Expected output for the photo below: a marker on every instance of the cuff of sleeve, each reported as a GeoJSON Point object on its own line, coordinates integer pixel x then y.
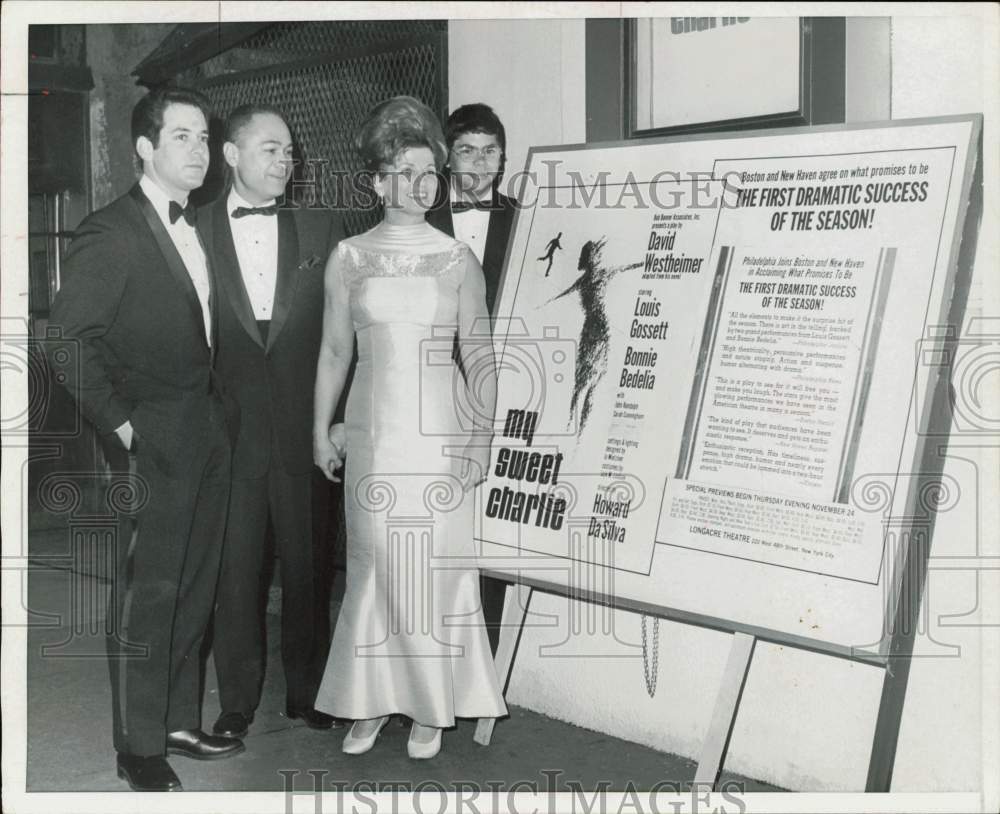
{"type": "Point", "coordinates": [117, 413]}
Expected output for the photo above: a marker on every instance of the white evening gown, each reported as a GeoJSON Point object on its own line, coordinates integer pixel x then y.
{"type": "Point", "coordinates": [410, 637]}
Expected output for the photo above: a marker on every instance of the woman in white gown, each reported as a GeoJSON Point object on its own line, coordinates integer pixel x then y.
{"type": "Point", "coordinates": [410, 636]}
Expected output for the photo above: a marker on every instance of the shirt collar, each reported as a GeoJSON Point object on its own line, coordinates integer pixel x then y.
{"type": "Point", "coordinates": [235, 199]}
{"type": "Point", "coordinates": [158, 197]}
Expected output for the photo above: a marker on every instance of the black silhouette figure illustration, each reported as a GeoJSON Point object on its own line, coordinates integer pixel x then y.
{"type": "Point", "coordinates": [592, 350]}
{"type": "Point", "coordinates": [550, 250]}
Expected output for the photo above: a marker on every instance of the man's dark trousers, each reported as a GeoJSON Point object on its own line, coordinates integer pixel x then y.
{"type": "Point", "coordinates": [239, 643]}
{"type": "Point", "coordinates": [168, 558]}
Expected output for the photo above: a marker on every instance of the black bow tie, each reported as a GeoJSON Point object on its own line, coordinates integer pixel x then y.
{"type": "Point", "coordinates": [243, 211]}
{"type": "Point", "coordinates": [176, 210]}
{"type": "Point", "coordinates": [467, 206]}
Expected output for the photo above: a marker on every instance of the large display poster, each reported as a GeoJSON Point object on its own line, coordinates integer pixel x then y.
{"type": "Point", "coordinates": [705, 345]}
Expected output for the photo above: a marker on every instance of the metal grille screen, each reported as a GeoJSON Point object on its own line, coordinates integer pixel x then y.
{"type": "Point", "coordinates": [326, 100]}
{"type": "Point", "coordinates": [333, 36]}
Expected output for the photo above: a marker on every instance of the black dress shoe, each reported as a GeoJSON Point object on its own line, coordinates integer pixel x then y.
{"type": "Point", "coordinates": [313, 718]}
{"type": "Point", "coordinates": [194, 743]}
{"type": "Point", "coordinates": [147, 773]}
{"type": "Point", "coordinates": [232, 724]}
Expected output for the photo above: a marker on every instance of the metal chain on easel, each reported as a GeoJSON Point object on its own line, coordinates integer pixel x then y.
{"type": "Point", "coordinates": [650, 674]}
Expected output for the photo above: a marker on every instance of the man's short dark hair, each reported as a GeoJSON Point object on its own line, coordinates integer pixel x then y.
{"type": "Point", "coordinates": [474, 118]}
{"type": "Point", "coordinates": [243, 115]}
{"type": "Point", "coordinates": [147, 115]}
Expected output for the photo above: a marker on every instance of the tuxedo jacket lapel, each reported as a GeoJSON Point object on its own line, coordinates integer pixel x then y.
{"type": "Point", "coordinates": [172, 257]}
{"type": "Point", "coordinates": [288, 258]}
{"type": "Point", "coordinates": [213, 291]}
{"type": "Point", "coordinates": [496, 239]}
{"type": "Point", "coordinates": [497, 234]}
{"type": "Point", "coordinates": [229, 271]}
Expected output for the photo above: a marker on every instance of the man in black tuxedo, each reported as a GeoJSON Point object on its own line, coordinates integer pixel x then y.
{"type": "Point", "coordinates": [139, 304]}
{"type": "Point", "coordinates": [270, 261]}
{"type": "Point", "coordinates": [471, 208]}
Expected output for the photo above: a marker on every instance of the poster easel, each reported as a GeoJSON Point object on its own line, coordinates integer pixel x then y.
{"type": "Point", "coordinates": [912, 527]}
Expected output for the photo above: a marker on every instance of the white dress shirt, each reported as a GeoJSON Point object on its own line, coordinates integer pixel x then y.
{"type": "Point", "coordinates": [256, 240]}
{"type": "Point", "coordinates": [188, 246]}
{"type": "Point", "coordinates": [471, 227]}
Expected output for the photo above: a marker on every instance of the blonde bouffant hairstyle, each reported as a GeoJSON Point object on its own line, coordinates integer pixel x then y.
{"type": "Point", "coordinates": [398, 124]}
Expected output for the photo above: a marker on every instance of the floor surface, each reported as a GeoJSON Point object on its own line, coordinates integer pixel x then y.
{"type": "Point", "coordinates": [69, 720]}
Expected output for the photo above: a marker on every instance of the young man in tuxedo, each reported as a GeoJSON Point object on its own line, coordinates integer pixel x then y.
{"type": "Point", "coordinates": [270, 261]}
{"type": "Point", "coordinates": [471, 208]}
{"type": "Point", "coordinates": [138, 303]}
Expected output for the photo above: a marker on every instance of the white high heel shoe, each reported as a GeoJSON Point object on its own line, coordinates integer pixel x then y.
{"type": "Point", "coordinates": [355, 745]}
{"type": "Point", "coordinates": [423, 750]}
